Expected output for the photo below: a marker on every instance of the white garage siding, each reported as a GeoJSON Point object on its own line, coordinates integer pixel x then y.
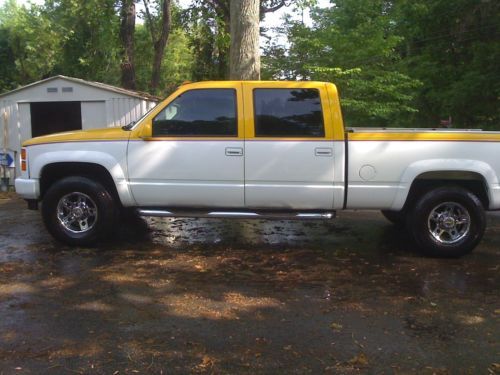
{"type": "Point", "coordinates": [101, 106]}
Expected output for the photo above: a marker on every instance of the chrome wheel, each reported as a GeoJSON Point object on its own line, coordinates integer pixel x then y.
{"type": "Point", "coordinates": [449, 222]}
{"type": "Point", "coordinates": [77, 212]}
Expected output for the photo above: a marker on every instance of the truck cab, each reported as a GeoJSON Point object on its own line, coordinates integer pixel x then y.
{"type": "Point", "coordinates": [240, 145]}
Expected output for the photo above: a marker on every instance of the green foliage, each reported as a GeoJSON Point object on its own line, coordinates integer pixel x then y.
{"type": "Point", "coordinates": [371, 97]}
{"type": "Point", "coordinates": [8, 73]}
{"type": "Point", "coordinates": [455, 52]}
{"type": "Point", "coordinates": [88, 33]}
{"type": "Point", "coordinates": [30, 43]}
{"type": "Point", "coordinates": [405, 63]}
{"type": "Point", "coordinates": [177, 62]}
{"type": "Point", "coordinates": [352, 44]}
{"type": "Point", "coordinates": [396, 63]}
{"type": "Point", "coordinates": [68, 37]}
{"type": "Point", "coordinates": [80, 39]}
{"type": "Point", "coordinates": [207, 23]}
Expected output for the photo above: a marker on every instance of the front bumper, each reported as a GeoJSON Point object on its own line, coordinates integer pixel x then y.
{"type": "Point", "coordinates": [28, 188]}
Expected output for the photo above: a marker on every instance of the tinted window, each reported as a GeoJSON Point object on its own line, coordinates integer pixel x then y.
{"type": "Point", "coordinates": [288, 113]}
{"type": "Point", "coordinates": [210, 112]}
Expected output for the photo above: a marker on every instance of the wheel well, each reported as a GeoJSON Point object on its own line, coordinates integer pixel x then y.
{"type": "Point", "coordinates": [474, 182]}
{"type": "Point", "coordinates": [54, 172]}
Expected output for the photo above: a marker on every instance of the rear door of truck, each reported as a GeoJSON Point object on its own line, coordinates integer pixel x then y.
{"type": "Point", "coordinates": [289, 146]}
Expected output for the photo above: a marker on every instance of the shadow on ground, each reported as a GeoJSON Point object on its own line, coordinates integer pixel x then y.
{"type": "Point", "coordinates": [221, 296]}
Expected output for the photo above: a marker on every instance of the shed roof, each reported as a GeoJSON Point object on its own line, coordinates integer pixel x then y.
{"type": "Point", "coordinates": [103, 86]}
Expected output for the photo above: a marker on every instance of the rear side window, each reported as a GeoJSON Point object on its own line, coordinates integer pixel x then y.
{"type": "Point", "coordinates": [195, 113]}
{"type": "Point", "coordinates": [288, 113]}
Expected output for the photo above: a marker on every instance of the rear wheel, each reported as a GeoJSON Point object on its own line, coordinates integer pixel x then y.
{"type": "Point", "coordinates": [447, 222]}
{"type": "Point", "coordinates": [78, 211]}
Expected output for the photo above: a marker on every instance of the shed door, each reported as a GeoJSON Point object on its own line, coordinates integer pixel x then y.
{"type": "Point", "coordinates": [94, 115]}
{"type": "Point", "coordinates": [55, 117]}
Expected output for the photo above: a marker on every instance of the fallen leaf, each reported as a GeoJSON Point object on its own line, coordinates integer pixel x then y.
{"type": "Point", "coordinates": [359, 361]}
{"type": "Point", "coordinates": [206, 362]}
{"type": "Point", "coordinates": [336, 326]}
{"type": "Point", "coordinates": [494, 368]}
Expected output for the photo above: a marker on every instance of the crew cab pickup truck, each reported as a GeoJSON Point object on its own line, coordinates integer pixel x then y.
{"type": "Point", "coordinates": [263, 150]}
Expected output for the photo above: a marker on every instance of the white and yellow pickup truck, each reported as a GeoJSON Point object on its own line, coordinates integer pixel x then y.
{"type": "Point", "coordinates": [263, 150]}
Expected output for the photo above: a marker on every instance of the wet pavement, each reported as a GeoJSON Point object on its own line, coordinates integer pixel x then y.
{"type": "Point", "coordinates": [239, 296]}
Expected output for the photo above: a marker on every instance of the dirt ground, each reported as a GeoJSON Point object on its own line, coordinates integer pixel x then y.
{"type": "Point", "coordinates": [218, 296]}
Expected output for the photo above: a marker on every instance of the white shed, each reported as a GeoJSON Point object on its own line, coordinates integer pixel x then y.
{"type": "Point", "coordinates": [59, 104]}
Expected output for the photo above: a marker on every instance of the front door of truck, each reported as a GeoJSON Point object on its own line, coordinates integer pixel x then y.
{"type": "Point", "coordinates": [194, 156]}
{"type": "Point", "coordinates": [289, 146]}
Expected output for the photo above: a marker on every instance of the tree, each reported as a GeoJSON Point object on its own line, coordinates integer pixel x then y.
{"type": "Point", "coordinates": [454, 51]}
{"type": "Point", "coordinates": [177, 63]}
{"type": "Point", "coordinates": [354, 45]}
{"type": "Point", "coordinates": [159, 28]}
{"type": "Point", "coordinates": [207, 24]}
{"type": "Point", "coordinates": [211, 51]}
{"type": "Point", "coordinates": [8, 71]}
{"type": "Point", "coordinates": [30, 42]}
{"type": "Point", "coordinates": [244, 61]}
{"type": "Point", "coordinates": [127, 30]}
{"type": "Point", "coordinates": [88, 34]}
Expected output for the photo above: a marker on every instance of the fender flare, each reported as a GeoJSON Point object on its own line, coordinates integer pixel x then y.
{"type": "Point", "coordinates": [91, 157]}
{"type": "Point", "coordinates": [416, 169]}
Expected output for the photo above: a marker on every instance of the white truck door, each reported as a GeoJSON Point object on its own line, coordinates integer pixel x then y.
{"type": "Point", "coordinates": [194, 157]}
{"type": "Point", "coordinates": [289, 147]}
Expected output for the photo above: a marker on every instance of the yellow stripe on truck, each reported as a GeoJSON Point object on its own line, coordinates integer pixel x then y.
{"type": "Point", "coordinates": [425, 136]}
{"type": "Point", "coordinates": [109, 134]}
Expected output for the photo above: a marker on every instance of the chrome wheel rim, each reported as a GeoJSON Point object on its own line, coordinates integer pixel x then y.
{"type": "Point", "coordinates": [77, 212]}
{"type": "Point", "coordinates": [448, 223]}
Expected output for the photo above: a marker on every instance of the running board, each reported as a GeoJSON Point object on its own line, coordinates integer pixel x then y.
{"type": "Point", "coordinates": [280, 215]}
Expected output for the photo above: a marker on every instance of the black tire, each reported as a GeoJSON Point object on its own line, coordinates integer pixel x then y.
{"type": "Point", "coordinates": [396, 217]}
{"type": "Point", "coordinates": [78, 211]}
{"type": "Point", "coordinates": [447, 222]}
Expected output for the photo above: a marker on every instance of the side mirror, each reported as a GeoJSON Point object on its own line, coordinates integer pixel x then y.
{"type": "Point", "coordinates": [146, 132]}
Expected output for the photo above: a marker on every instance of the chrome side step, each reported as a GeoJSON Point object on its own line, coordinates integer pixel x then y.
{"type": "Point", "coordinates": [279, 215]}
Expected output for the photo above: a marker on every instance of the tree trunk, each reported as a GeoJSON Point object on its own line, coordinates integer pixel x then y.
{"type": "Point", "coordinates": [159, 40]}
{"type": "Point", "coordinates": [127, 29]}
{"type": "Point", "coordinates": [244, 59]}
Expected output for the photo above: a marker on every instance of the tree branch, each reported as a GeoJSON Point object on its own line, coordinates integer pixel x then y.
{"type": "Point", "coordinates": [274, 8]}
{"type": "Point", "coordinates": [150, 21]}
{"type": "Point", "coordinates": [166, 20]}
{"type": "Point", "coordinates": [224, 5]}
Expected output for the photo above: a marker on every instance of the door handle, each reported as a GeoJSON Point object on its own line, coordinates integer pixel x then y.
{"type": "Point", "coordinates": [323, 151]}
{"type": "Point", "coordinates": [234, 151]}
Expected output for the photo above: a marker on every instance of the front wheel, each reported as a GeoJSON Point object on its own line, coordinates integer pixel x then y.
{"type": "Point", "coordinates": [447, 222]}
{"type": "Point", "coordinates": [78, 211]}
